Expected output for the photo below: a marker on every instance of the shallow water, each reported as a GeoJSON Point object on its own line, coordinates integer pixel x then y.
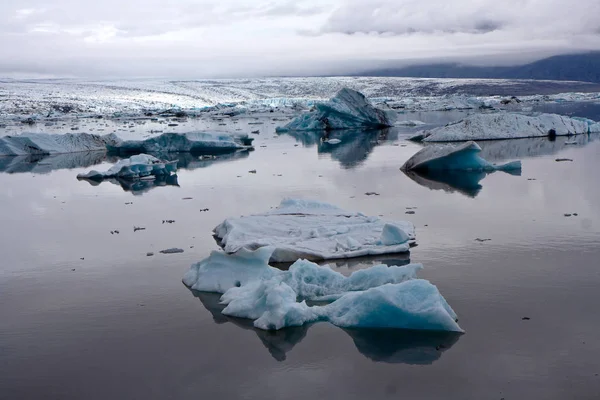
{"type": "Point", "coordinates": [87, 314]}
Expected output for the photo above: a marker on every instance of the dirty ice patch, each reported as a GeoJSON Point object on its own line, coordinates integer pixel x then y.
{"type": "Point", "coordinates": [191, 142]}
{"type": "Point", "coordinates": [315, 231]}
{"type": "Point", "coordinates": [463, 157]}
{"type": "Point", "coordinates": [347, 110]}
{"type": "Point", "coordinates": [48, 144]}
{"type": "Point", "coordinates": [134, 167]}
{"type": "Point", "coordinates": [506, 125]}
{"type": "Point", "coordinates": [378, 297]}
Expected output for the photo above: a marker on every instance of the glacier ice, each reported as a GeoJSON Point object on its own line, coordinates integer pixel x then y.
{"type": "Point", "coordinates": [48, 144]}
{"type": "Point", "coordinates": [190, 142]}
{"type": "Point", "coordinates": [378, 297]}
{"type": "Point", "coordinates": [348, 109]}
{"type": "Point", "coordinates": [463, 157]}
{"type": "Point", "coordinates": [506, 125]}
{"type": "Point", "coordinates": [316, 231]}
{"type": "Point", "coordinates": [134, 167]}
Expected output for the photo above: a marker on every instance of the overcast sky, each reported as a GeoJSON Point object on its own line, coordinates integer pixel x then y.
{"type": "Point", "coordinates": [206, 38]}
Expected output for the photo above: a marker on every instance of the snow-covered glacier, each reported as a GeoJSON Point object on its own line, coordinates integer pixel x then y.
{"type": "Point", "coordinates": [378, 297]}
{"type": "Point", "coordinates": [507, 125]}
{"type": "Point", "coordinates": [48, 144]}
{"type": "Point", "coordinates": [316, 231]}
{"type": "Point", "coordinates": [190, 142]}
{"type": "Point", "coordinates": [347, 110]}
{"type": "Point", "coordinates": [134, 167]}
{"type": "Point", "coordinates": [463, 157]}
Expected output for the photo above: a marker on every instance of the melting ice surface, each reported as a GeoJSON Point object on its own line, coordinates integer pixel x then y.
{"type": "Point", "coordinates": [135, 167]}
{"type": "Point", "coordinates": [191, 142]}
{"type": "Point", "coordinates": [464, 157]}
{"type": "Point", "coordinates": [505, 125]}
{"type": "Point", "coordinates": [347, 110]}
{"type": "Point", "coordinates": [315, 230]}
{"type": "Point", "coordinates": [46, 144]}
{"type": "Point", "coordinates": [378, 297]}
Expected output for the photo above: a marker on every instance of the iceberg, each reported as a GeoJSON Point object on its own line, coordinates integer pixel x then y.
{"type": "Point", "coordinates": [135, 167]}
{"type": "Point", "coordinates": [316, 231]}
{"type": "Point", "coordinates": [506, 125]}
{"type": "Point", "coordinates": [348, 109]}
{"type": "Point", "coordinates": [191, 142]}
{"type": "Point", "coordinates": [463, 157]}
{"type": "Point", "coordinates": [378, 297]}
{"type": "Point", "coordinates": [49, 144]}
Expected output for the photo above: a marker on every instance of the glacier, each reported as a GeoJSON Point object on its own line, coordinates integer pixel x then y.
{"type": "Point", "coordinates": [316, 231]}
{"type": "Point", "coordinates": [136, 167]}
{"type": "Point", "coordinates": [348, 109]}
{"type": "Point", "coordinates": [463, 157]}
{"type": "Point", "coordinates": [50, 144]}
{"type": "Point", "coordinates": [190, 142]}
{"type": "Point", "coordinates": [378, 297]}
{"type": "Point", "coordinates": [507, 125]}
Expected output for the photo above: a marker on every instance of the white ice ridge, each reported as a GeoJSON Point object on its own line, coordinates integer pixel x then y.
{"type": "Point", "coordinates": [348, 109]}
{"type": "Point", "coordinates": [47, 144]}
{"type": "Point", "coordinates": [378, 297]}
{"type": "Point", "coordinates": [192, 142]}
{"type": "Point", "coordinates": [463, 157]}
{"type": "Point", "coordinates": [134, 167]}
{"type": "Point", "coordinates": [505, 125]}
{"type": "Point", "coordinates": [315, 231]}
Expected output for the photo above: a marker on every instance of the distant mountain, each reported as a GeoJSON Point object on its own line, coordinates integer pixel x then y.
{"type": "Point", "coordinates": [574, 67]}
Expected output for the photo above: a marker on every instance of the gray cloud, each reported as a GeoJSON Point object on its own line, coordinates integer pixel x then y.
{"type": "Point", "coordinates": [204, 38]}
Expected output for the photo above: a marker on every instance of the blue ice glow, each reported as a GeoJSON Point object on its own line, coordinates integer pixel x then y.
{"type": "Point", "coordinates": [378, 297]}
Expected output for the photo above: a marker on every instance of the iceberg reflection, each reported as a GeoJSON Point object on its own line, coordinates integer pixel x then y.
{"type": "Point", "coordinates": [393, 346]}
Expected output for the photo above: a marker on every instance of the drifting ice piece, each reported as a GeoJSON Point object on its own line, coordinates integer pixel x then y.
{"type": "Point", "coordinates": [315, 231]}
{"type": "Point", "coordinates": [135, 167]}
{"type": "Point", "coordinates": [46, 144]}
{"type": "Point", "coordinates": [191, 142]}
{"type": "Point", "coordinates": [506, 125]}
{"type": "Point", "coordinates": [464, 157]}
{"type": "Point", "coordinates": [348, 109]}
{"type": "Point", "coordinates": [378, 297]}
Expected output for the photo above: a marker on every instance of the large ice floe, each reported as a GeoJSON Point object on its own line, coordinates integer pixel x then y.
{"type": "Point", "coordinates": [316, 231]}
{"type": "Point", "coordinates": [48, 144]}
{"type": "Point", "coordinates": [190, 142]}
{"type": "Point", "coordinates": [378, 297]}
{"type": "Point", "coordinates": [505, 125]}
{"type": "Point", "coordinates": [347, 110]}
{"type": "Point", "coordinates": [140, 166]}
{"type": "Point", "coordinates": [463, 157]}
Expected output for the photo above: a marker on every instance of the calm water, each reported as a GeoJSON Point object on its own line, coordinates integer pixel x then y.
{"type": "Point", "coordinates": [87, 315]}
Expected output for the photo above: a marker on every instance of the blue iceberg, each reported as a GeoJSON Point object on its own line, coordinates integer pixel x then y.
{"type": "Point", "coordinates": [378, 297]}
{"type": "Point", "coordinates": [136, 167]}
{"type": "Point", "coordinates": [464, 157]}
{"type": "Point", "coordinates": [190, 142]}
{"type": "Point", "coordinates": [348, 109]}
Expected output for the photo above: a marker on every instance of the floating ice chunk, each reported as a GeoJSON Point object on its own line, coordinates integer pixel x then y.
{"type": "Point", "coordinates": [228, 273]}
{"type": "Point", "coordinates": [312, 230]}
{"type": "Point", "coordinates": [413, 304]}
{"type": "Point", "coordinates": [464, 157]}
{"type": "Point", "coordinates": [505, 125]}
{"type": "Point", "coordinates": [333, 141]}
{"type": "Point", "coordinates": [136, 167]}
{"type": "Point", "coordinates": [46, 144]}
{"type": "Point", "coordinates": [409, 123]}
{"type": "Point", "coordinates": [221, 272]}
{"type": "Point", "coordinates": [313, 282]}
{"type": "Point", "coordinates": [348, 109]}
{"type": "Point", "coordinates": [191, 142]}
{"type": "Point", "coordinates": [378, 297]}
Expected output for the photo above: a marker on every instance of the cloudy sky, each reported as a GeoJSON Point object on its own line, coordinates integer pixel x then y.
{"type": "Point", "coordinates": [217, 38]}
